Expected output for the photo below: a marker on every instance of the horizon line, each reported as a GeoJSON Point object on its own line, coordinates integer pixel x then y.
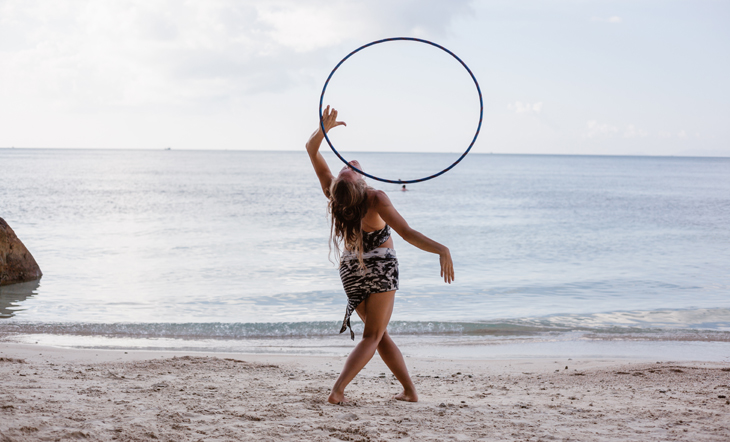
{"type": "Point", "coordinates": [366, 152]}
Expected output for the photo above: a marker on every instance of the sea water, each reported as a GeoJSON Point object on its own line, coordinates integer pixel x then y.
{"type": "Point", "coordinates": [228, 250]}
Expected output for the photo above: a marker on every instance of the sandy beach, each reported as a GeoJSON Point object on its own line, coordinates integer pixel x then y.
{"type": "Point", "coordinates": [64, 394]}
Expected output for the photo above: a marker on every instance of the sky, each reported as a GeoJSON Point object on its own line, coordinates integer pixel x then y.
{"type": "Point", "coordinates": [557, 76]}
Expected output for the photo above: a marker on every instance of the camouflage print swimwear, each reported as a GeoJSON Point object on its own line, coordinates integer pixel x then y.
{"type": "Point", "coordinates": [380, 274]}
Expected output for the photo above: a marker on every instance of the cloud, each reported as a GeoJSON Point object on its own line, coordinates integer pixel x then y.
{"type": "Point", "coordinates": [615, 19]}
{"type": "Point", "coordinates": [594, 129]}
{"type": "Point", "coordinates": [632, 132]}
{"type": "Point", "coordinates": [137, 53]}
{"type": "Point", "coordinates": [682, 134]}
{"type": "Point", "coordinates": [519, 107]}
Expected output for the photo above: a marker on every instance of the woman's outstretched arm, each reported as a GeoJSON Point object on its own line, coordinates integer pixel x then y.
{"type": "Point", "coordinates": [398, 223]}
{"type": "Point", "coordinates": [315, 141]}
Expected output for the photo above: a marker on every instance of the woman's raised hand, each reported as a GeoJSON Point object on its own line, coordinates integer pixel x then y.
{"type": "Point", "coordinates": [329, 119]}
{"type": "Point", "coordinates": [447, 266]}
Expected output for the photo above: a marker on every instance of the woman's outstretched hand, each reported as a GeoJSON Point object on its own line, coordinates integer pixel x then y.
{"type": "Point", "coordinates": [329, 119]}
{"type": "Point", "coordinates": [394, 219]}
{"type": "Point", "coordinates": [447, 266]}
{"type": "Point", "coordinates": [324, 174]}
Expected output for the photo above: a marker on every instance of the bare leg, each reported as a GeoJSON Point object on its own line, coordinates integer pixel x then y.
{"type": "Point", "coordinates": [393, 358]}
{"type": "Point", "coordinates": [391, 355]}
{"type": "Point", "coordinates": [378, 307]}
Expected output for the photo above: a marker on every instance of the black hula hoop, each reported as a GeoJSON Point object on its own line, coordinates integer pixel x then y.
{"type": "Point", "coordinates": [481, 109]}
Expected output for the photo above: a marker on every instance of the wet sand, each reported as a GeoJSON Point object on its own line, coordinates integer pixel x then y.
{"type": "Point", "coordinates": [49, 393]}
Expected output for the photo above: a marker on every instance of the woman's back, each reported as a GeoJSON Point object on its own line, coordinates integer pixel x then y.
{"type": "Point", "coordinates": [372, 220]}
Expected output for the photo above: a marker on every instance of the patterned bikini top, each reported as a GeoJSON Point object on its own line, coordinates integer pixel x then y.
{"type": "Point", "coordinates": [373, 240]}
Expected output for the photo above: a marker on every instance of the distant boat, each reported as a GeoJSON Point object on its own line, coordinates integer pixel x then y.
{"type": "Point", "coordinates": [168, 148]}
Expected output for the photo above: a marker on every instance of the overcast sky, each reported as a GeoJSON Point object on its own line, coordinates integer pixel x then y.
{"type": "Point", "coordinates": [558, 76]}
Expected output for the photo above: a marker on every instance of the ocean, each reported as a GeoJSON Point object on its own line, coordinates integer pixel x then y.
{"type": "Point", "coordinates": [228, 251]}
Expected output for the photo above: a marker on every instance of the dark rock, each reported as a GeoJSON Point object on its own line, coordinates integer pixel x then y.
{"type": "Point", "coordinates": [16, 262]}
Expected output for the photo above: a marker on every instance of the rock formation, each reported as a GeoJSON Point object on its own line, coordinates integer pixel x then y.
{"type": "Point", "coordinates": [16, 262]}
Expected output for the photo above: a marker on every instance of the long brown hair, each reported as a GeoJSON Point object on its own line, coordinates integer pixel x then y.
{"type": "Point", "coordinates": [347, 206]}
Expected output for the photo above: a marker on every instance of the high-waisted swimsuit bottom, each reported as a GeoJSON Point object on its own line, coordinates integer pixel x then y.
{"type": "Point", "coordinates": [380, 273]}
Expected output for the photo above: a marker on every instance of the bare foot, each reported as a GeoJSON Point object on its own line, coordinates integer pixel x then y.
{"type": "Point", "coordinates": [407, 397]}
{"type": "Point", "coordinates": [338, 399]}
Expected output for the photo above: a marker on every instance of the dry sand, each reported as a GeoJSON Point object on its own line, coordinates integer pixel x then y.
{"type": "Point", "coordinates": [61, 394]}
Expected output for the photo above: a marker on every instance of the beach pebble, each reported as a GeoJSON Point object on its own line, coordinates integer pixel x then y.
{"type": "Point", "coordinates": [442, 405]}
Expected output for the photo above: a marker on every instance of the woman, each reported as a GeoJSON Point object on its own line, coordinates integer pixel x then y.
{"type": "Point", "coordinates": [360, 222]}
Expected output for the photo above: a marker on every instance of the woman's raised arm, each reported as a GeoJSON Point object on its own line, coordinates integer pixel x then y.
{"type": "Point", "coordinates": [398, 223]}
{"type": "Point", "coordinates": [315, 141]}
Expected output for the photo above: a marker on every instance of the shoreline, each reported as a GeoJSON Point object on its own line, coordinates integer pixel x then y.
{"type": "Point", "coordinates": [50, 392]}
{"type": "Point", "coordinates": [451, 347]}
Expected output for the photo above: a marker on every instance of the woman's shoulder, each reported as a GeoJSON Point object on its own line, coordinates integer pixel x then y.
{"type": "Point", "coordinates": [377, 197]}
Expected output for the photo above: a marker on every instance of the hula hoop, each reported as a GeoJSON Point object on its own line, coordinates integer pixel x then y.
{"type": "Point", "coordinates": [479, 126]}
